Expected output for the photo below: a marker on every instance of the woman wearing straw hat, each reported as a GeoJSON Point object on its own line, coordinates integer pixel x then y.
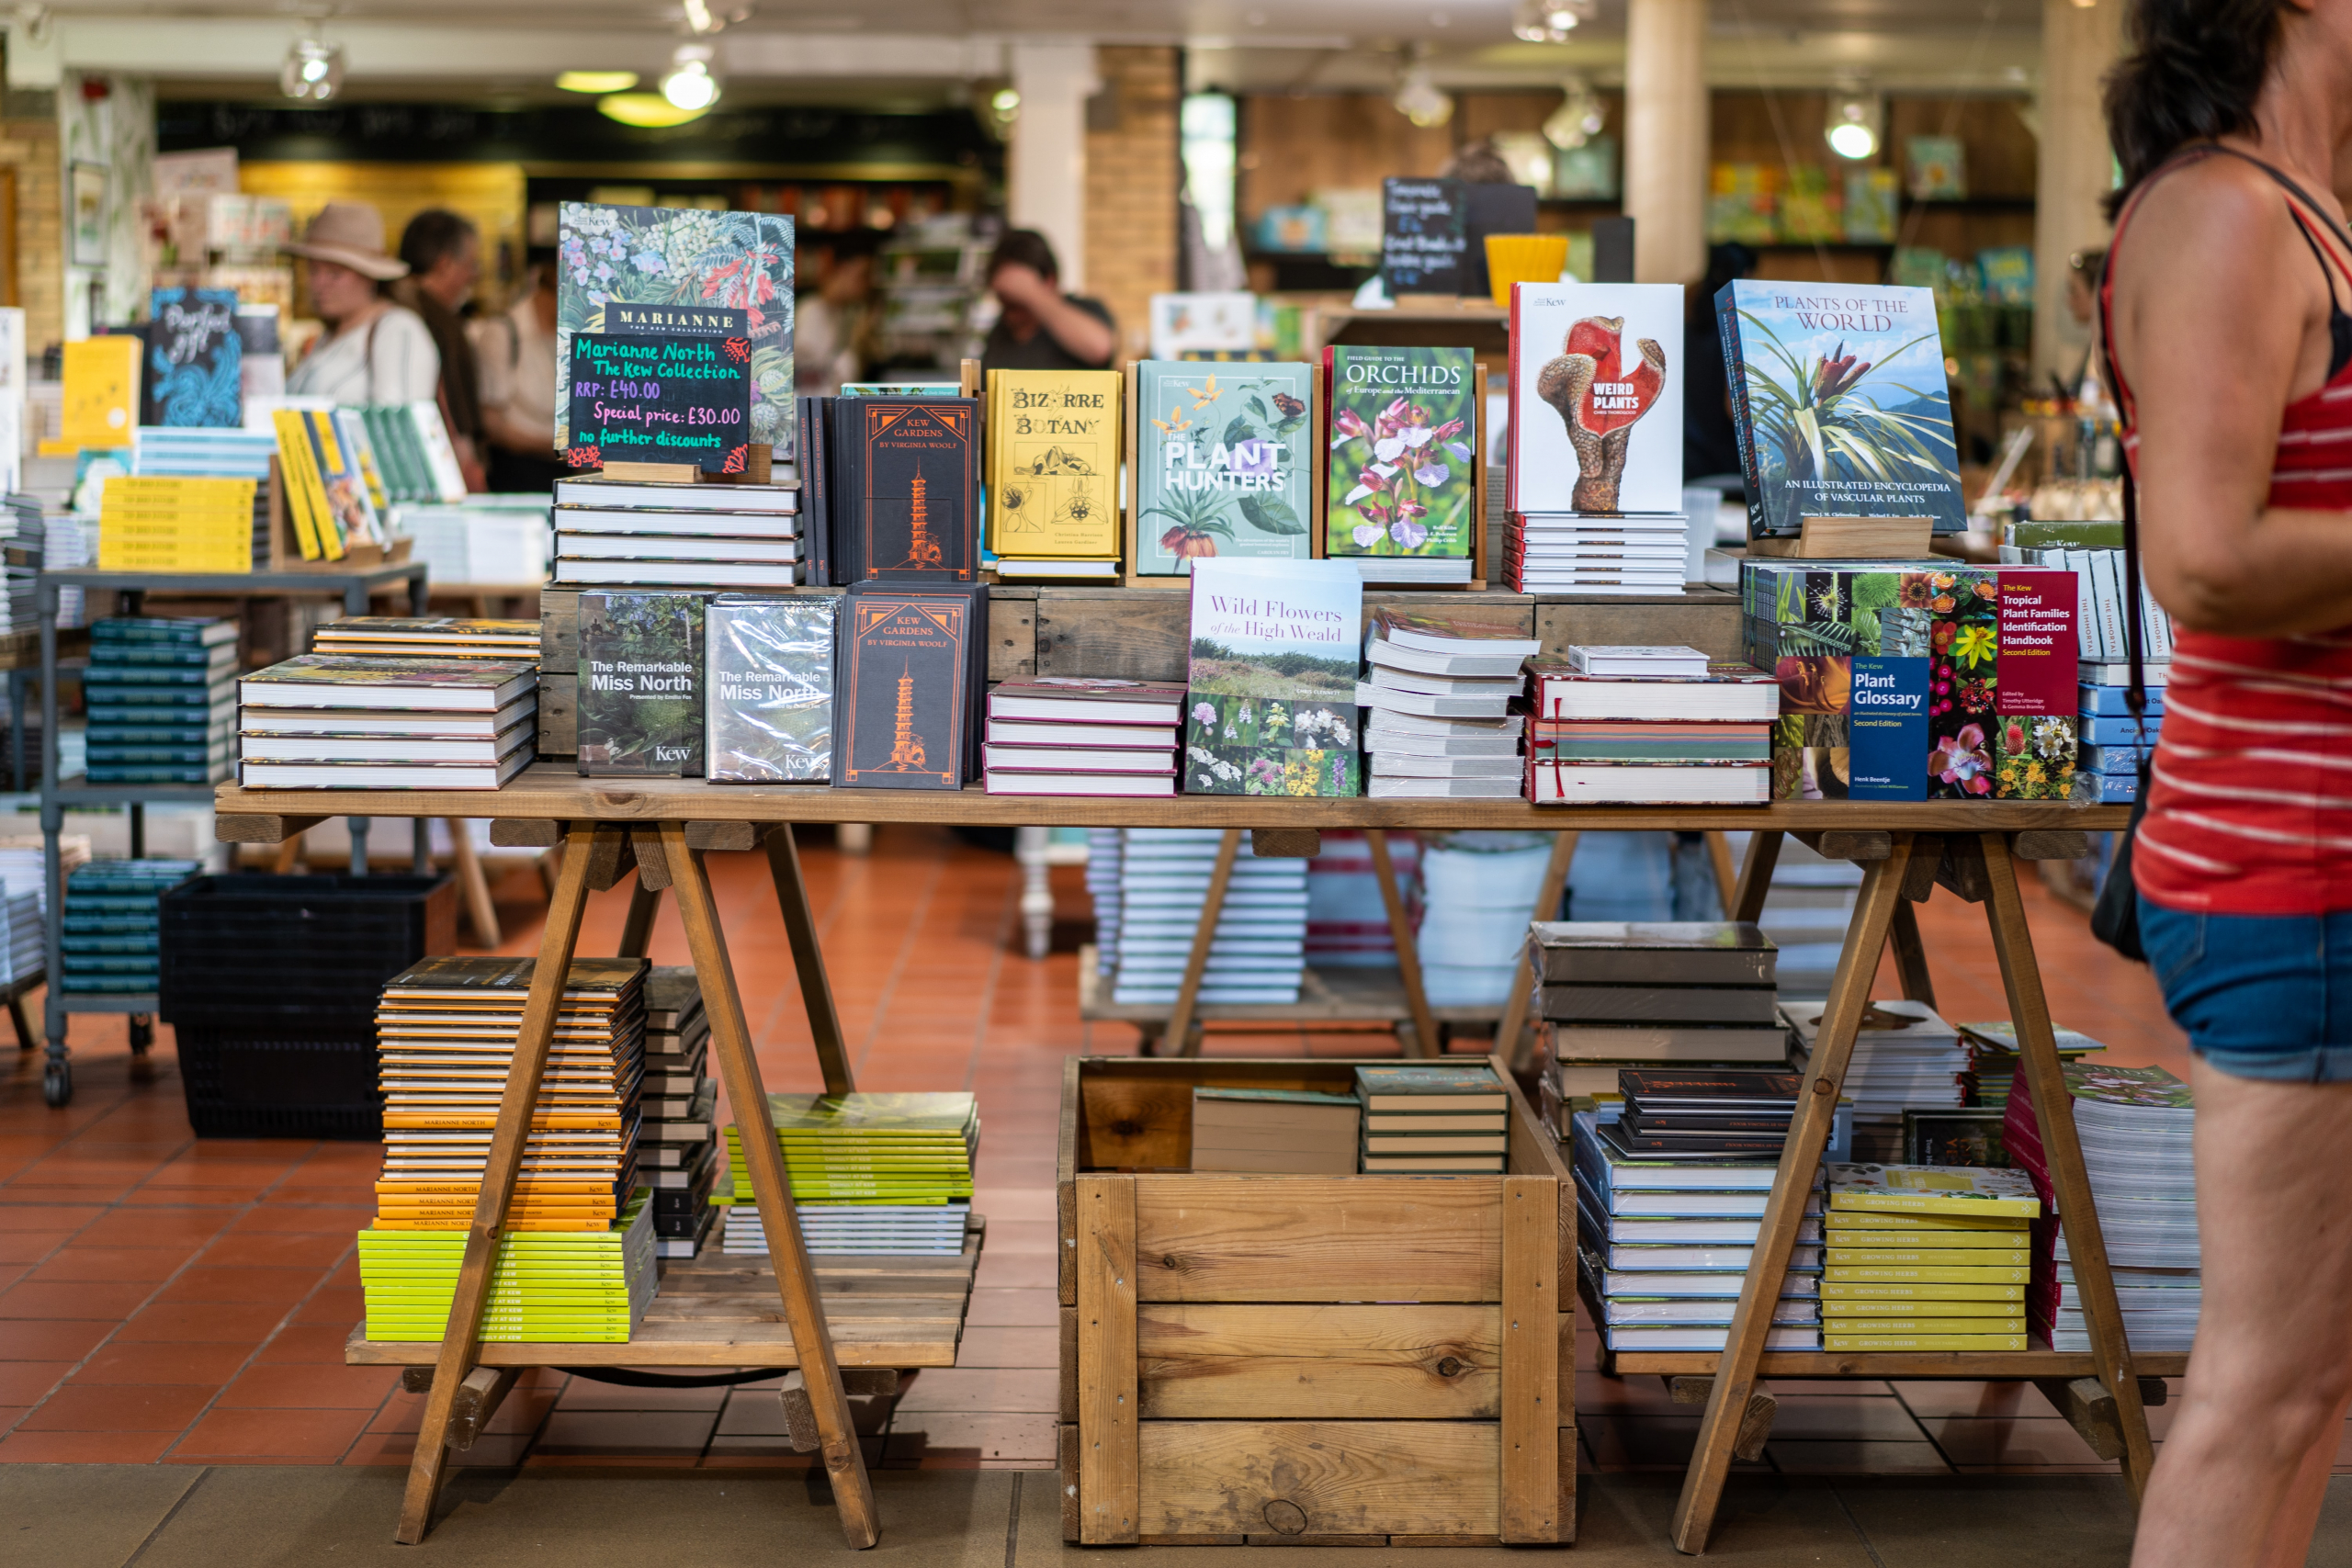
{"type": "Point", "coordinates": [374, 351]}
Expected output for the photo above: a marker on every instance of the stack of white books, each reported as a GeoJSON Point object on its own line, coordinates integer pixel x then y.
{"type": "Point", "coordinates": [1906, 1058]}
{"type": "Point", "coordinates": [677, 535]}
{"type": "Point", "coordinates": [1256, 954]}
{"type": "Point", "coordinates": [1440, 691]}
{"type": "Point", "coordinates": [1574, 553]}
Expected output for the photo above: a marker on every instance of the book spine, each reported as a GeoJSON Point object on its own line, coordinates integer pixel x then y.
{"type": "Point", "coordinates": [2108, 587]}
{"type": "Point", "coordinates": [1743, 420]}
{"type": "Point", "coordinates": [2091, 634]}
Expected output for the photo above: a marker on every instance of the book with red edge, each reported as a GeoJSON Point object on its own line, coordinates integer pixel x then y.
{"type": "Point", "coordinates": [1733, 692]}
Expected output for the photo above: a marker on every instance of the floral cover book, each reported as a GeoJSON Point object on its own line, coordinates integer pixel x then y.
{"type": "Point", "coordinates": [662, 255]}
{"type": "Point", "coordinates": [1402, 451]}
{"type": "Point", "coordinates": [1839, 403]}
{"type": "Point", "coordinates": [1224, 463]}
{"type": "Point", "coordinates": [1860, 652]}
{"type": "Point", "coordinates": [1270, 700]}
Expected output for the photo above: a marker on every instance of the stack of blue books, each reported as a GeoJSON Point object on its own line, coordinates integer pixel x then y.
{"type": "Point", "coordinates": [2107, 767]}
{"type": "Point", "coordinates": [111, 922]}
{"type": "Point", "coordinates": [163, 699]}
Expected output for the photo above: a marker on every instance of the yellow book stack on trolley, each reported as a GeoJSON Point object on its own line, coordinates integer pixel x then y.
{"type": "Point", "coordinates": [154, 523]}
{"type": "Point", "coordinates": [1926, 1258]}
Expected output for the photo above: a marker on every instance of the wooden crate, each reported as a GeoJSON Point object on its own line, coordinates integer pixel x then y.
{"type": "Point", "coordinates": [1302, 1360]}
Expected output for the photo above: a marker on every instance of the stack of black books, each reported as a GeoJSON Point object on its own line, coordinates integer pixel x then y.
{"type": "Point", "coordinates": [1707, 1110]}
{"type": "Point", "coordinates": [1623, 994]}
{"type": "Point", "coordinates": [677, 1155]}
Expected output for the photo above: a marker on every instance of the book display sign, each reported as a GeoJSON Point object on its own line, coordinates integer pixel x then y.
{"type": "Point", "coordinates": [1424, 235]}
{"type": "Point", "coordinates": [661, 397]}
{"type": "Point", "coordinates": [195, 359]}
{"type": "Point", "coordinates": [651, 271]}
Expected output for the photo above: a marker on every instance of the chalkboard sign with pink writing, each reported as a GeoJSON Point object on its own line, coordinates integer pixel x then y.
{"type": "Point", "coordinates": [669, 399]}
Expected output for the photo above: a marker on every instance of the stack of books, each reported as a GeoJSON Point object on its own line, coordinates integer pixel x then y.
{"type": "Point", "coordinates": [156, 524]}
{"type": "Point", "coordinates": [871, 1173]}
{"type": "Point", "coordinates": [110, 921]}
{"type": "Point", "coordinates": [1258, 953]}
{"type": "Point", "coordinates": [446, 1031]}
{"type": "Point", "coordinates": [1477, 891]}
{"type": "Point", "coordinates": [2106, 765]}
{"type": "Point", "coordinates": [1068, 736]}
{"type": "Point", "coordinates": [1926, 1258]}
{"type": "Point", "coordinates": [1627, 553]}
{"type": "Point", "coordinates": [215, 453]}
{"type": "Point", "coordinates": [678, 1151]}
{"type": "Point", "coordinates": [333, 721]}
{"type": "Point", "coordinates": [1440, 691]}
{"type": "Point", "coordinates": [1690, 1117]}
{"type": "Point", "coordinates": [161, 695]}
{"type": "Point", "coordinates": [1638, 725]}
{"type": "Point", "coordinates": [21, 549]}
{"type": "Point", "coordinates": [1347, 918]}
{"type": "Point", "coordinates": [2136, 1125]}
{"type": "Point", "coordinates": [1424, 1120]}
{"type": "Point", "coordinates": [428, 637]}
{"type": "Point", "coordinates": [1992, 1058]}
{"type": "Point", "coordinates": [1906, 1058]}
{"type": "Point", "coordinates": [1105, 853]}
{"type": "Point", "coordinates": [333, 484]}
{"type": "Point", "coordinates": [1279, 1131]}
{"type": "Point", "coordinates": [677, 535]}
{"type": "Point", "coordinates": [1620, 994]}
{"type": "Point", "coordinates": [570, 1287]}
{"type": "Point", "coordinates": [1665, 1238]}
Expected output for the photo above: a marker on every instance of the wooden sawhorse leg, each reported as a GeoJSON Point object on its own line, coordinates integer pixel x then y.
{"type": "Point", "coordinates": [1849, 993]}
{"type": "Point", "coordinates": [636, 929]}
{"type": "Point", "coordinates": [1188, 992]}
{"type": "Point", "coordinates": [1425, 1041]}
{"type": "Point", "coordinates": [473, 884]}
{"type": "Point", "coordinates": [1513, 1043]}
{"type": "Point", "coordinates": [808, 961]}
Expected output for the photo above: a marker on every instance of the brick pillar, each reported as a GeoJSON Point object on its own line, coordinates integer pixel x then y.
{"type": "Point", "coordinates": [1132, 180]}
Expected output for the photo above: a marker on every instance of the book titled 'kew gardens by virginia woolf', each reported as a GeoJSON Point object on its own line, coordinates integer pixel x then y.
{"type": "Point", "coordinates": [1838, 401]}
{"type": "Point", "coordinates": [1269, 699]}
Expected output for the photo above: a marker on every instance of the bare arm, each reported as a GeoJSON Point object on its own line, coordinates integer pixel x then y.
{"type": "Point", "coordinates": [2221, 320]}
{"type": "Point", "coordinates": [1083, 336]}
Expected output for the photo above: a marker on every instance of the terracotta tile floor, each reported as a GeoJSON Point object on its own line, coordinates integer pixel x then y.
{"type": "Point", "coordinates": [168, 1300]}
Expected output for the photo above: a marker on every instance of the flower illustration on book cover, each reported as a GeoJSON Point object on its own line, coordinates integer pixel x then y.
{"type": "Point", "coordinates": [1599, 398]}
{"type": "Point", "coordinates": [2034, 758]}
{"type": "Point", "coordinates": [659, 255]}
{"type": "Point", "coordinates": [1410, 469]}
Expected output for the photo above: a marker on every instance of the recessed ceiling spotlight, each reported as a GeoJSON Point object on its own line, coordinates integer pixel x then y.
{"type": "Point", "coordinates": [688, 84]}
{"type": "Point", "coordinates": [1852, 124]}
{"type": "Point", "coordinates": [598, 82]}
{"type": "Point", "coordinates": [312, 71]}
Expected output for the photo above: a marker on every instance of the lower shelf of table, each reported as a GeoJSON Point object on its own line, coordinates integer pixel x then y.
{"type": "Point", "coordinates": [1344, 994]}
{"type": "Point", "coordinates": [717, 1311]}
{"type": "Point", "coordinates": [1974, 1364]}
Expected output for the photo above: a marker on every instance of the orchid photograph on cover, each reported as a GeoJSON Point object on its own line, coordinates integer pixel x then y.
{"type": "Point", "coordinates": [1403, 456]}
{"type": "Point", "coordinates": [1839, 397]}
{"type": "Point", "coordinates": [680, 256]}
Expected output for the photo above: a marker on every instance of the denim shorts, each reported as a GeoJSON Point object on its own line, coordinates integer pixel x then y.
{"type": "Point", "coordinates": [2261, 996]}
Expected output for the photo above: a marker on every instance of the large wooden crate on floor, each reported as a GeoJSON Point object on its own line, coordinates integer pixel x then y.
{"type": "Point", "coordinates": [1307, 1360]}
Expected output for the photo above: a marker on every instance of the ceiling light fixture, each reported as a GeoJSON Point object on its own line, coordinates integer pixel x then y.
{"type": "Point", "coordinates": [312, 71]}
{"type": "Point", "coordinates": [1579, 116]}
{"type": "Point", "coordinates": [1549, 21]}
{"type": "Point", "coordinates": [1852, 127]}
{"type": "Point", "coordinates": [688, 84]}
{"type": "Point", "coordinates": [647, 111]}
{"type": "Point", "coordinates": [1417, 98]}
{"type": "Point", "coordinates": [597, 82]}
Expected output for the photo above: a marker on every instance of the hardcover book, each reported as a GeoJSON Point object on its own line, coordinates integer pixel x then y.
{"type": "Point", "coordinates": [1054, 463]}
{"type": "Point", "coordinates": [911, 477]}
{"type": "Point", "coordinates": [770, 693]}
{"type": "Point", "coordinates": [905, 671]}
{"type": "Point", "coordinates": [1931, 1189]}
{"type": "Point", "coordinates": [1838, 402]}
{"type": "Point", "coordinates": [1402, 456]}
{"type": "Point", "coordinates": [645, 270]}
{"type": "Point", "coordinates": [1270, 683]}
{"type": "Point", "coordinates": [1596, 398]}
{"type": "Point", "coordinates": [195, 359]}
{"type": "Point", "coordinates": [641, 670]}
{"type": "Point", "coordinates": [1224, 464]}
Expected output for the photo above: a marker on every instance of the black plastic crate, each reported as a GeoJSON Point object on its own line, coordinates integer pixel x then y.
{"type": "Point", "coordinates": [280, 954]}
{"type": "Point", "coordinates": [243, 1085]}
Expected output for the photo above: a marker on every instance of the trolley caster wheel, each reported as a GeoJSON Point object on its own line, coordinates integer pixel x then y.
{"type": "Point", "coordinates": [57, 1084]}
{"type": "Point", "coordinates": [143, 1034]}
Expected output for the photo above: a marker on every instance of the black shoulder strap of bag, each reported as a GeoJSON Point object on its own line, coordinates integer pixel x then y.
{"type": "Point", "coordinates": [2115, 921]}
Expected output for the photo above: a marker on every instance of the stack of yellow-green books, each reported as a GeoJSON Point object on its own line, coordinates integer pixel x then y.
{"type": "Point", "coordinates": [1926, 1258]}
{"type": "Point", "coordinates": [567, 1286]}
{"type": "Point", "coordinates": [871, 1173]}
{"type": "Point", "coordinates": [170, 522]}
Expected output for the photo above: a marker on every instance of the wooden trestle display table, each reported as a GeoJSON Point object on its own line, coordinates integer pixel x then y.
{"type": "Point", "coordinates": [663, 827]}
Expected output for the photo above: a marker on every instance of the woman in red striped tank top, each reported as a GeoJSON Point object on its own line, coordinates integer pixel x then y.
{"type": "Point", "coordinates": [2228, 303]}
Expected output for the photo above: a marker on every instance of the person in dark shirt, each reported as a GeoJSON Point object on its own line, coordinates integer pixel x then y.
{"type": "Point", "coordinates": [1042, 328]}
{"type": "Point", "coordinates": [444, 254]}
{"type": "Point", "coordinates": [1710, 445]}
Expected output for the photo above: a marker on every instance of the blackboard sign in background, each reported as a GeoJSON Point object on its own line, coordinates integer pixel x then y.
{"type": "Point", "coordinates": [195, 359]}
{"type": "Point", "coordinates": [660, 399]}
{"type": "Point", "coordinates": [1491, 209]}
{"type": "Point", "coordinates": [1422, 236]}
